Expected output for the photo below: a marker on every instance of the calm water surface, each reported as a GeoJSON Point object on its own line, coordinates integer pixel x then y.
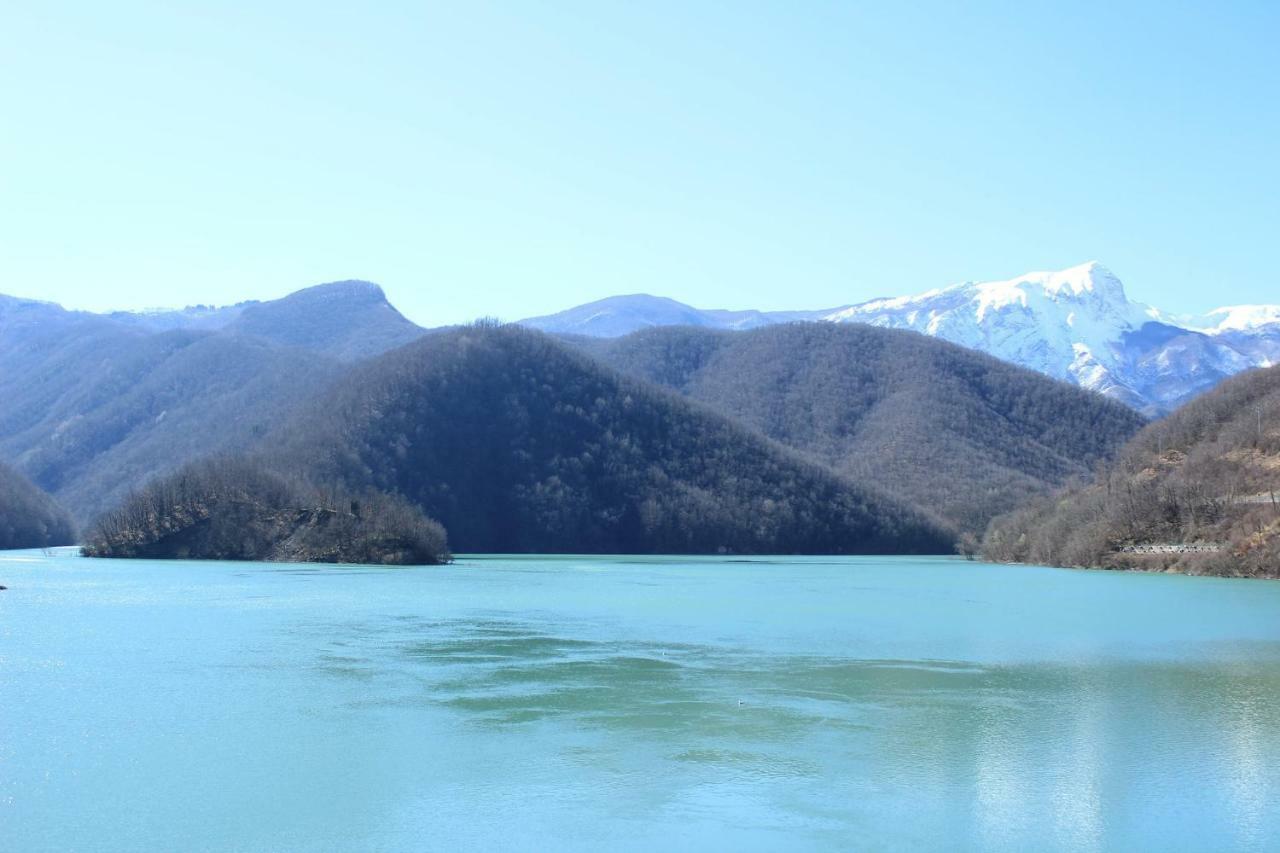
{"type": "Point", "coordinates": [585, 702]}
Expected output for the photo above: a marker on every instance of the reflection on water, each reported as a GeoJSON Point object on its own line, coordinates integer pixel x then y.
{"type": "Point", "coordinates": [587, 703]}
{"type": "Point", "coordinates": [1250, 732]}
{"type": "Point", "coordinates": [1030, 742]}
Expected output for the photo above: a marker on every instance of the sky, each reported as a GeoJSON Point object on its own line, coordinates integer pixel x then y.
{"type": "Point", "coordinates": [513, 159]}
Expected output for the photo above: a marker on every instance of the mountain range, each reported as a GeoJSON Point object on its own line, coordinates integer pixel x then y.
{"type": "Point", "coordinates": [1077, 325]}
{"type": "Point", "coordinates": [702, 431]}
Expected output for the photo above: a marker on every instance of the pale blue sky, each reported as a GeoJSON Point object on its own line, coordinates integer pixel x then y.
{"type": "Point", "coordinates": [517, 158]}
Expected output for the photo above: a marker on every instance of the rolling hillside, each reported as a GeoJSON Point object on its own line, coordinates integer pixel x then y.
{"type": "Point", "coordinates": [29, 518]}
{"type": "Point", "coordinates": [96, 406]}
{"type": "Point", "coordinates": [516, 443]}
{"type": "Point", "coordinates": [1197, 492]}
{"type": "Point", "coordinates": [948, 429]}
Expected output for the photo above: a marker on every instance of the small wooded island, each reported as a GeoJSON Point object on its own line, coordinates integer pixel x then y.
{"type": "Point", "coordinates": [236, 509]}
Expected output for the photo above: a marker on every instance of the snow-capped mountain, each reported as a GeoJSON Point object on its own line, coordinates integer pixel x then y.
{"type": "Point", "coordinates": [1075, 324]}
{"type": "Point", "coordinates": [1078, 325]}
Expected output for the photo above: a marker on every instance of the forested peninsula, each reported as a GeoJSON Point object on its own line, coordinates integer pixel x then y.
{"type": "Point", "coordinates": [239, 509]}
{"type": "Point", "coordinates": [1196, 492]}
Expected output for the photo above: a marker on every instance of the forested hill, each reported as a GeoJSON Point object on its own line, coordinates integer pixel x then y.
{"type": "Point", "coordinates": [29, 518]}
{"type": "Point", "coordinates": [517, 443]}
{"type": "Point", "coordinates": [942, 427]}
{"type": "Point", "coordinates": [1198, 491]}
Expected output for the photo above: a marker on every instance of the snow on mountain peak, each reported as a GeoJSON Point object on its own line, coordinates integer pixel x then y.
{"type": "Point", "coordinates": [1086, 281]}
{"type": "Point", "coordinates": [1238, 318]}
{"type": "Point", "coordinates": [1089, 277]}
{"type": "Point", "coordinates": [1075, 324]}
{"type": "Point", "coordinates": [1062, 323]}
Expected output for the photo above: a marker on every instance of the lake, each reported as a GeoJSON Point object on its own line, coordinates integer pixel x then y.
{"type": "Point", "coordinates": [583, 703]}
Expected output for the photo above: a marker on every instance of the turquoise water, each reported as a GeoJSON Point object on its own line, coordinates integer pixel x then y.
{"type": "Point", "coordinates": [678, 703]}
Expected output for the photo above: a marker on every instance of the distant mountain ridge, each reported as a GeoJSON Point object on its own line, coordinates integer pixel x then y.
{"type": "Point", "coordinates": [348, 320]}
{"type": "Point", "coordinates": [616, 316]}
{"type": "Point", "coordinates": [1077, 325]}
{"type": "Point", "coordinates": [98, 403]}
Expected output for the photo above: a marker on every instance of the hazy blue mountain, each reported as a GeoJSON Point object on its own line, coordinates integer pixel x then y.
{"type": "Point", "coordinates": [97, 412]}
{"type": "Point", "coordinates": [622, 315]}
{"type": "Point", "coordinates": [348, 320]}
{"type": "Point", "coordinates": [204, 317]}
{"type": "Point", "coordinates": [96, 404]}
